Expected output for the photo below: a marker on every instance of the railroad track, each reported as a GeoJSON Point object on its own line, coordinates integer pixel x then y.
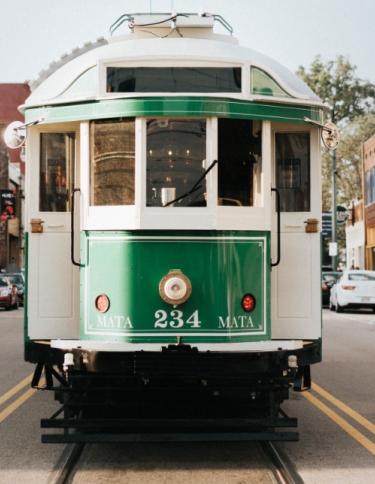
{"type": "Point", "coordinates": [74, 456]}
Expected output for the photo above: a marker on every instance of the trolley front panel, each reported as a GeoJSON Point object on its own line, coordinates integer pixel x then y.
{"type": "Point", "coordinates": [222, 266]}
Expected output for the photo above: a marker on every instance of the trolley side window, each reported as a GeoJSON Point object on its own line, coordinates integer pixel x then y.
{"type": "Point", "coordinates": [237, 162]}
{"type": "Point", "coordinates": [176, 160]}
{"type": "Point", "coordinates": [174, 79]}
{"type": "Point", "coordinates": [112, 162]}
{"type": "Point", "coordinates": [56, 171]}
{"type": "Point", "coordinates": [293, 171]}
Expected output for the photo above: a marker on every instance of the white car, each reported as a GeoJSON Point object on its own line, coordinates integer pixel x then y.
{"type": "Point", "coordinates": [353, 289]}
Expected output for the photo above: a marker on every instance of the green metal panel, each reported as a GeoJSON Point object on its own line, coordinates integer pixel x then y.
{"type": "Point", "coordinates": [25, 294]}
{"type": "Point", "coordinates": [176, 106]}
{"type": "Point", "coordinates": [263, 84]}
{"type": "Point", "coordinates": [222, 267]}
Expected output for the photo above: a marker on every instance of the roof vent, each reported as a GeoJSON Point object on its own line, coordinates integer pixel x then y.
{"type": "Point", "coordinates": [204, 12]}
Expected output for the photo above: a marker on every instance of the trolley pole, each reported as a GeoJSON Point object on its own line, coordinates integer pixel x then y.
{"type": "Point", "coordinates": [334, 208]}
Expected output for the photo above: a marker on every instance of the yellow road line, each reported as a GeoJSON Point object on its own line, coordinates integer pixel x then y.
{"type": "Point", "coordinates": [16, 389]}
{"type": "Point", "coordinates": [22, 399]}
{"type": "Point", "coordinates": [370, 446]}
{"type": "Point", "coordinates": [354, 415]}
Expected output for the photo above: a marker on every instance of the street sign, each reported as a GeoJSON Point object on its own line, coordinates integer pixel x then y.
{"type": "Point", "coordinates": [8, 198]}
{"type": "Point", "coordinates": [333, 249]}
{"type": "Point", "coordinates": [342, 215]}
{"type": "Point", "coordinates": [327, 225]}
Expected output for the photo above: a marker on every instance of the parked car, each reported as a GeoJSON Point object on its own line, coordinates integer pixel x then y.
{"type": "Point", "coordinates": [20, 283]}
{"type": "Point", "coordinates": [327, 269]}
{"type": "Point", "coordinates": [353, 289]}
{"type": "Point", "coordinates": [8, 294]}
{"type": "Point", "coordinates": [328, 280]}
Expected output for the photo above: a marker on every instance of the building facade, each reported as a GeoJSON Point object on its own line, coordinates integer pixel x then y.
{"type": "Point", "coordinates": [12, 176]}
{"type": "Point", "coordinates": [368, 170]}
{"type": "Point", "coordinates": [355, 236]}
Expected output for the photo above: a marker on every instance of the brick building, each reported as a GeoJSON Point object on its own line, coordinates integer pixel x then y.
{"type": "Point", "coordinates": [12, 174]}
{"type": "Point", "coordinates": [368, 170]}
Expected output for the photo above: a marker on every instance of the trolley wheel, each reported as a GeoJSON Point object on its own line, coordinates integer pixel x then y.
{"type": "Point", "coordinates": [339, 309]}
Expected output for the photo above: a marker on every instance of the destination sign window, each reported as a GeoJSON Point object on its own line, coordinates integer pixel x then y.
{"type": "Point", "coordinates": [293, 171]}
{"type": "Point", "coordinates": [112, 162]}
{"type": "Point", "coordinates": [174, 79]}
{"type": "Point", "coordinates": [56, 171]}
{"type": "Point", "coordinates": [176, 160]}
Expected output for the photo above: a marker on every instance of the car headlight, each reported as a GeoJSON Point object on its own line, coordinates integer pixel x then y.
{"type": "Point", "coordinates": [4, 293]}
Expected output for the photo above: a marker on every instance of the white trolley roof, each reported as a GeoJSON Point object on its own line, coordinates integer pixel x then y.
{"type": "Point", "coordinates": [80, 76]}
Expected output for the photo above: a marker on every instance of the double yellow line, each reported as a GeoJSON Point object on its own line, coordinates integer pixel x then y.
{"type": "Point", "coordinates": [17, 403]}
{"type": "Point", "coordinates": [367, 443]}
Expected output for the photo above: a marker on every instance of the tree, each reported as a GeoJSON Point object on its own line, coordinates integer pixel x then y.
{"type": "Point", "coordinates": [348, 162]}
{"type": "Point", "coordinates": [351, 106]}
{"type": "Point", "coordinates": [335, 83]}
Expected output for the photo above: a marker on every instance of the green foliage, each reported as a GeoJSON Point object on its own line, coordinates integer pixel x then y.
{"type": "Point", "coordinates": [348, 162]}
{"type": "Point", "coordinates": [351, 103]}
{"type": "Point", "coordinates": [335, 83]}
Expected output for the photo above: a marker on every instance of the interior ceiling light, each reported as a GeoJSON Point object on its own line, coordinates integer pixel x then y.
{"type": "Point", "coordinates": [175, 288]}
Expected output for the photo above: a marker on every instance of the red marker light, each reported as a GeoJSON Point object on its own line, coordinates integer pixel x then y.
{"type": "Point", "coordinates": [324, 286]}
{"type": "Point", "coordinates": [102, 303]}
{"type": "Point", "coordinates": [248, 303]}
{"type": "Point", "coordinates": [348, 288]}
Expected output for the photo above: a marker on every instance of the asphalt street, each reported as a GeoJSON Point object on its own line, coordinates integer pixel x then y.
{"type": "Point", "coordinates": [326, 452]}
{"type": "Point", "coordinates": [336, 423]}
{"type": "Point", "coordinates": [23, 458]}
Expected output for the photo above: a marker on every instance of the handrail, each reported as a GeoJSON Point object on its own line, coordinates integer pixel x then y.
{"type": "Point", "coordinates": [130, 18]}
{"type": "Point", "coordinates": [278, 227]}
{"type": "Point", "coordinates": [72, 228]}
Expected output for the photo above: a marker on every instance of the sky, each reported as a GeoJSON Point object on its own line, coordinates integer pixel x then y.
{"type": "Point", "coordinates": [36, 32]}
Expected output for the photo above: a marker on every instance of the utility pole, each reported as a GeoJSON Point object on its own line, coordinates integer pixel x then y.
{"type": "Point", "coordinates": [334, 208]}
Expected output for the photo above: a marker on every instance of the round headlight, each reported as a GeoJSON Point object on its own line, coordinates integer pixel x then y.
{"type": "Point", "coordinates": [175, 288]}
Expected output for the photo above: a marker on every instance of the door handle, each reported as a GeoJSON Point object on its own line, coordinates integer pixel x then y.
{"type": "Point", "coordinates": [278, 227]}
{"type": "Point", "coordinates": [72, 227]}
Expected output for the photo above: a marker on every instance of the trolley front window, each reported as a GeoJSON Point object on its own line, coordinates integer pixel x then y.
{"type": "Point", "coordinates": [293, 171]}
{"type": "Point", "coordinates": [174, 79]}
{"type": "Point", "coordinates": [176, 159]}
{"type": "Point", "coordinates": [112, 153]}
{"type": "Point", "coordinates": [239, 164]}
{"type": "Point", "coordinates": [56, 171]}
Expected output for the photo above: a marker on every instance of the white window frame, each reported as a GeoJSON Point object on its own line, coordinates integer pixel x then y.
{"type": "Point", "coordinates": [166, 61]}
{"type": "Point", "coordinates": [211, 217]}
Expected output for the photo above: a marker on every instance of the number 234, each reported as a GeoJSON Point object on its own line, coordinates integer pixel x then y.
{"type": "Point", "coordinates": [177, 322]}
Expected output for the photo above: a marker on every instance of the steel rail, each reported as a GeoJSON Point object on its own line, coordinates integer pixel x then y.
{"type": "Point", "coordinates": [67, 465]}
{"type": "Point", "coordinates": [283, 468]}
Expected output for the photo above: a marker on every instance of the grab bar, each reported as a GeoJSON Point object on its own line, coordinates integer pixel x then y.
{"type": "Point", "coordinates": [72, 227]}
{"type": "Point", "coordinates": [278, 227]}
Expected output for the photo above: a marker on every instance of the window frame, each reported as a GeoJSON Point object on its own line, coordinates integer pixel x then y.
{"type": "Point", "coordinates": [74, 167]}
{"type": "Point", "coordinates": [161, 61]}
{"type": "Point", "coordinates": [293, 131]}
{"type": "Point", "coordinates": [368, 187]}
{"type": "Point", "coordinates": [211, 217]}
